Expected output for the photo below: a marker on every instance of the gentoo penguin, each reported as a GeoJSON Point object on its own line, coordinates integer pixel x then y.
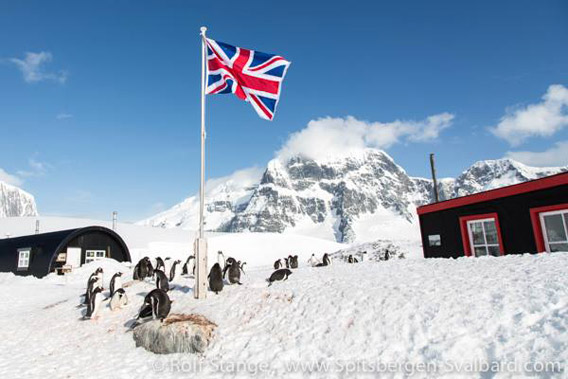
{"type": "Point", "coordinates": [313, 261]}
{"type": "Point", "coordinates": [157, 304]}
{"type": "Point", "coordinates": [161, 280]}
{"type": "Point", "coordinates": [234, 272]}
{"type": "Point", "coordinates": [287, 261]}
{"type": "Point", "coordinates": [326, 260]}
{"type": "Point", "coordinates": [229, 262]}
{"type": "Point", "coordinates": [294, 261]}
{"type": "Point", "coordinates": [141, 270]}
{"type": "Point", "coordinates": [189, 266]}
{"type": "Point", "coordinates": [278, 264]}
{"type": "Point", "coordinates": [159, 264]}
{"type": "Point", "coordinates": [351, 259]}
{"type": "Point", "coordinates": [281, 274]}
{"type": "Point", "coordinates": [221, 259]}
{"type": "Point", "coordinates": [115, 282]}
{"type": "Point", "coordinates": [118, 300]}
{"type": "Point", "coordinates": [387, 255]}
{"type": "Point", "coordinates": [95, 280]}
{"type": "Point", "coordinates": [149, 267]}
{"type": "Point", "coordinates": [173, 270]}
{"type": "Point", "coordinates": [216, 278]}
{"type": "Point", "coordinates": [95, 301]}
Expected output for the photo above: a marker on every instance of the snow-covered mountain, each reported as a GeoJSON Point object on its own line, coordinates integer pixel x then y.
{"type": "Point", "coordinates": [15, 202]}
{"type": "Point", "coordinates": [360, 197]}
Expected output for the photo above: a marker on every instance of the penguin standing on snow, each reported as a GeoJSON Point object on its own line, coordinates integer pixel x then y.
{"type": "Point", "coordinates": [95, 301]}
{"type": "Point", "coordinates": [118, 300]}
{"type": "Point", "coordinates": [161, 280]}
{"type": "Point", "coordinates": [281, 274]}
{"type": "Point", "coordinates": [95, 280]}
{"type": "Point", "coordinates": [234, 272]}
{"type": "Point", "coordinates": [216, 278]}
{"type": "Point", "coordinates": [149, 267]}
{"type": "Point", "coordinates": [325, 261]}
{"type": "Point", "coordinates": [189, 266]}
{"type": "Point", "coordinates": [352, 259]}
{"type": "Point", "coordinates": [157, 305]}
{"type": "Point", "coordinates": [115, 283]}
{"type": "Point", "coordinates": [278, 264]}
{"type": "Point", "coordinates": [173, 270]}
{"type": "Point", "coordinates": [294, 261]}
{"type": "Point", "coordinates": [159, 264]}
{"type": "Point", "coordinates": [313, 261]}
{"type": "Point", "coordinates": [141, 269]}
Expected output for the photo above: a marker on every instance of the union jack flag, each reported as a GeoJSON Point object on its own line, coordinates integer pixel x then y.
{"type": "Point", "coordinates": [251, 75]}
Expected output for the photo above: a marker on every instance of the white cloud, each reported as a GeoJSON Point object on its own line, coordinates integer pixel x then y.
{"type": "Point", "coordinates": [556, 156]}
{"type": "Point", "coordinates": [9, 178]}
{"type": "Point", "coordinates": [332, 137]}
{"type": "Point", "coordinates": [535, 120]}
{"type": "Point", "coordinates": [36, 168]}
{"type": "Point", "coordinates": [63, 116]}
{"type": "Point", "coordinates": [235, 181]}
{"type": "Point", "coordinates": [32, 68]}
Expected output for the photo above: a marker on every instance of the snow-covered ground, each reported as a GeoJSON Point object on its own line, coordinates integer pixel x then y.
{"type": "Point", "coordinates": [431, 314]}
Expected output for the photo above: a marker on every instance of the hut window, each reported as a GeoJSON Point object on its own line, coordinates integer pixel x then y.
{"type": "Point", "coordinates": [434, 240]}
{"type": "Point", "coordinates": [24, 258]}
{"type": "Point", "coordinates": [94, 255]}
{"type": "Point", "coordinates": [483, 237]}
{"type": "Point", "coordinates": [555, 230]}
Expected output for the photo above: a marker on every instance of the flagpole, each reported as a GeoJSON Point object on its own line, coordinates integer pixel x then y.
{"type": "Point", "coordinates": [200, 245]}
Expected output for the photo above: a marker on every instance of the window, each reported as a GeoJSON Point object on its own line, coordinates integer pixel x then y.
{"type": "Point", "coordinates": [24, 258]}
{"type": "Point", "coordinates": [555, 230]}
{"type": "Point", "coordinates": [94, 255]}
{"type": "Point", "coordinates": [550, 227]}
{"type": "Point", "coordinates": [434, 240]}
{"type": "Point", "coordinates": [481, 235]}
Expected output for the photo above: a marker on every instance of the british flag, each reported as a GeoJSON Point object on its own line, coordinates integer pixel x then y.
{"type": "Point", "coordinates": [251, 75]}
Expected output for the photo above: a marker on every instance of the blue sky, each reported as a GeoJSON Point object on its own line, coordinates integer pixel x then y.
{"type": "Point", "coordinates": [104, 113]}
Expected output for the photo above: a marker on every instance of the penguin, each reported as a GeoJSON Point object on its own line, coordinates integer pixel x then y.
{"type": "Point", "coordinates": [157, 304]}
{"type": "Point", "coordinates": [159, 264]}
{"type": "Point", "coordinates": [326, 260]}
{"type": "Point", "coordinates": [115, 283]}
{"type": "Point", "coordinates": [229, 262]}
{"type": "Point", "coordinates": [216, 278]}
{"type": "Point", "coordinates": [351, 259]}
{"type": "Point", "coordinates": [221, 259]}
{"type": "Point", "coordinates": [95, 280]}
{"type": "Point", "coordinates": [141, 270]}
{"type": "Point", "coordinates": [281, 274]}
{"type": "Point", "coordinates": [287, 261]}
{"type": "Point", "coordinates": [234, 272]}
{"type": "Point", "coordinates": [189, 266]}
{"type": "Point", "coordinates": [173, 270]}
{"type": "Point", "coordinates": [149, 267]}
{"type": "Point", "coordinates": [118, 300]}
{"type": "Point", "coordinates": [294, 261]}
{"type": "Point", "coordinates": [161, 280]}
{"type": "Point", "coordinates": [313, 261]}
{"type": "Point", "coordinates": [387, 255]}
{"type": "Point", "coordinates": [95, 301]}
{"type": "Point", "coordinates": [278, 264]}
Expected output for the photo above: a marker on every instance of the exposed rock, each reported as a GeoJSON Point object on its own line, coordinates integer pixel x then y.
{"type": "Point", "coordinates": [15, 202]}
{"type": "Point", "coordinates": [178, 333]}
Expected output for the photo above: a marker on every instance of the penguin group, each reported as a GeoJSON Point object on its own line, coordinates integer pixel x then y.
{"type": "Point", "coordinates": [291, 261]}
{"type": "Point", "coordinates": [218, 273]}
{"type": "Point", "coordinates": [93, 297]}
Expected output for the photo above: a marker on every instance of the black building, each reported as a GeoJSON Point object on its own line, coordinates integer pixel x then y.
{"type": "Point", "coordinates": [61, 251]}
{"type": "Point", "coordinates": [528, 217]}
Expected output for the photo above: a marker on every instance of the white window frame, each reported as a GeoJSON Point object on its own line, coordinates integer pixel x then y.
{"type": "Point", "coordinates": [97, 255]}
{"type": "Point", "coordinates": [543, 226]}
{"type": "Point", "coordinates": [24, 262]}
{"type": "Point", "coordinates": [486, 245]}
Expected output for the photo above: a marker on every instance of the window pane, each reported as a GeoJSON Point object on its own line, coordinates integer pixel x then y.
{"type": "Point", "coordinates": [477, 233]}
{"type": "Point", "coordinates": [480, 251]}
{"type": "Point", "coordinates": [554, 228]}
{"type": "Point", "coordinates": [554, 247]}
{"type": "Point", "coordinates": [491, 232]}
{"type": "Point", "coordinates": [494, 250]}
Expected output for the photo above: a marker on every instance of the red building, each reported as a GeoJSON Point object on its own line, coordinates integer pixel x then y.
{"type": "Point", "coordinates": [528, 217]}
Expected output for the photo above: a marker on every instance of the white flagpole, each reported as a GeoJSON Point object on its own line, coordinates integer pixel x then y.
{"type": "Point", "coordinates": [200, 245]}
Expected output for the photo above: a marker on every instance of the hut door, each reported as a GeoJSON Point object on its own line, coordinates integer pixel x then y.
{"type": "Point", "coordinates": [74, 257]}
